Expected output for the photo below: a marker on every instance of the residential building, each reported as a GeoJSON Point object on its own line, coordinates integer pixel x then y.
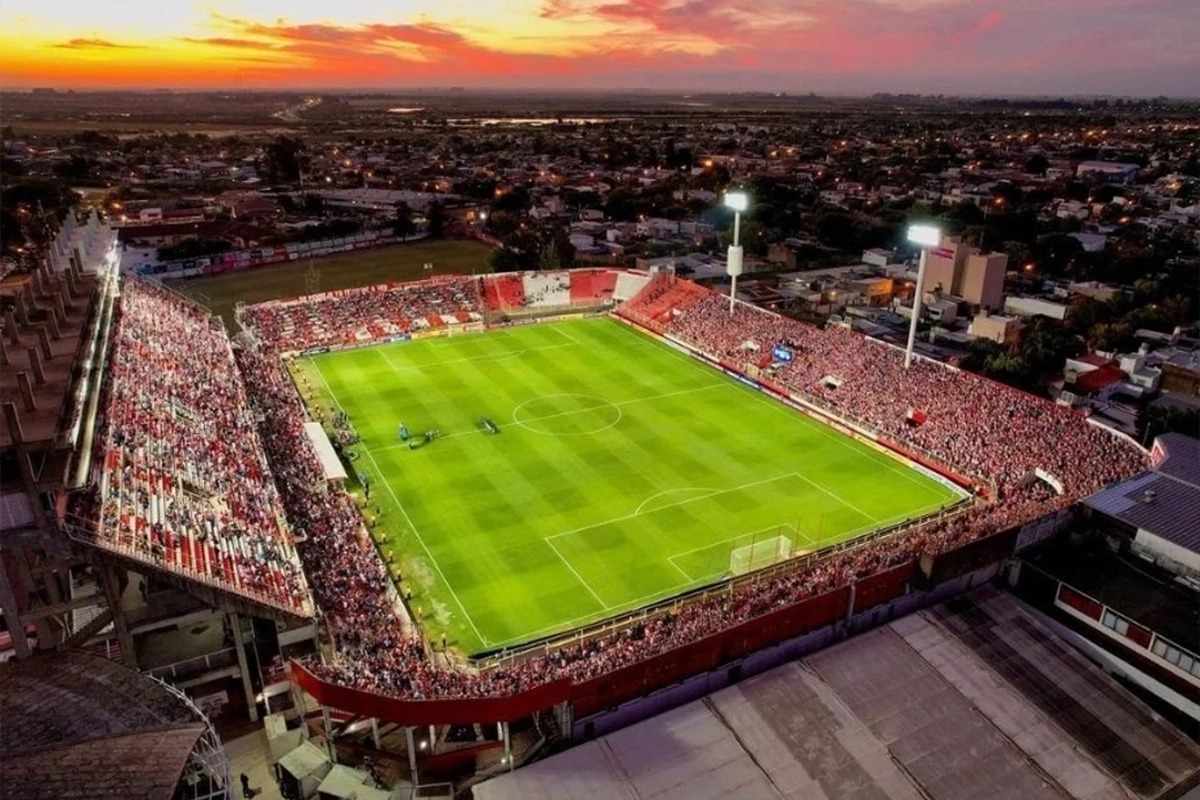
{"type": "Point", "coordinates": [995, 327]}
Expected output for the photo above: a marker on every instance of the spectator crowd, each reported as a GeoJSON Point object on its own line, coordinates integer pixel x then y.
{"type": "Point", "coordinates": [181, 477]}
{"type": "Point", "coordinates": [373, 313]}
{"type": "Point", "coordinates": [984, 429]}
{"type": "Point", "coordinates": [988, 431]}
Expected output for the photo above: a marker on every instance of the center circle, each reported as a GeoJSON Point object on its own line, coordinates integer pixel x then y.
{"type": "Point", "coordinates": [567, 414]}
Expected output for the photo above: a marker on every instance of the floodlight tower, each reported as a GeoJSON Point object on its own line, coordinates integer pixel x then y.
{"type": "Point", "coordinates": [739, 202]}
{"type": "Point", "coordinates": [926, 237]}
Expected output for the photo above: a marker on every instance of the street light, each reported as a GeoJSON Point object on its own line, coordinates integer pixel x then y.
{"type": "Point", "coordinates": [924, 236]}
{"type": "Point", "coordinates": [739, 202]}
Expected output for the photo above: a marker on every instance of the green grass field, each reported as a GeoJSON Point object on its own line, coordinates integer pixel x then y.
{"type": "Point", "coordinates": [624, 472]}
{"type": "Point", "coordinates": [401, 262]}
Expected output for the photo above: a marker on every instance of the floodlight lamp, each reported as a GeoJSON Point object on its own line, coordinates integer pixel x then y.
{"type": "Point", "coordinates": [738, 201]}
{"type": "Point", "coordinates": [925, 235]}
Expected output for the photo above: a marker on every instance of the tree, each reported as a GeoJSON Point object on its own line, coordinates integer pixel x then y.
{"type": "Point", "coordinates": [1045, 346]}
{"type": "Point", "coordinates": [564, 250]}
{"type": "Point", "coordinates": [501, 224]}
{"type": "Point", "coordinates": [516, 200]}
{"type": "Point", "coordinates": [1007, 368]}
{"type": "Point", "coordinates": [314, 204]}
{"type": "Point", "coordinates": [1110, 336]}
{"type": "Point", "coordinates": [1159, 419]}
{"type": "Point", "coordinates": [436, 219]}
{"type": "Point", "coordinates": [403, 227]}
{"type": "Point", "coordinates": [504, 260]}
{"type": "Point", "coordinates": [621, 205]}
{"type": "Point", "coordinates": [1054, 252]}
{"type": "Point", "coordinates": [753, 237]}
{"type": "Point", "coordinates": [978, 353]}
{"type": "Point", "coordinates": [77, 169]}
{"type": "Point", "coordinates": [1037, 164]}
{"type": "Point", "coordinates": [548, 258]}
{"type": "Point", "coordinates": [283, 159]}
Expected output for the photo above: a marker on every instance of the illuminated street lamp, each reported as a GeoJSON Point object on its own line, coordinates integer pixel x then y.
{"type": "Point", "coordinates": [925, 237]}
{"type": "Point", "coordinates": [739, 202]}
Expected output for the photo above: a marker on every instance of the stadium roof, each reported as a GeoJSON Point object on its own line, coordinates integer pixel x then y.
{"type": "Point", "coordinates": [970, 699]}
{"type": "Point", "coordinates": [76, 725]}
{"type": "Point", "coordinates": [1164, 501]}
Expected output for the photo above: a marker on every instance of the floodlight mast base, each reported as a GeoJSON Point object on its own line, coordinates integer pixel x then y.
{"type": "Point", "coordinates": [733, 259]}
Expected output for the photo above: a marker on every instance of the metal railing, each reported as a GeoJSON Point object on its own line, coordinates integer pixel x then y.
{"type": "Point", "coordinates": [81, 532]}
{"type": "Point", "coordinates": [195, 665]}
{"type": "Point", "coordinates": [206, 761]}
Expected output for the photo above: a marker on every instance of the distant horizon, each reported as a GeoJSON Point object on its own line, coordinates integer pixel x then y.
{"type": "Point", "coordinates": [582, 90]}
{"type": "Point", "coordinates": [850, 48]}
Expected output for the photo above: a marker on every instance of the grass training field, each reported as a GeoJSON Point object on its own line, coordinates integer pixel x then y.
{"type": "Point", "coordinates": [622, 472]}
{"type": "Point", "coordinates": [400, 262]}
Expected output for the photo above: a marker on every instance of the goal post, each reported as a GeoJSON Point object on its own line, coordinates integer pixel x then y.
{"type": "Point", "coordinates": [759, 553]}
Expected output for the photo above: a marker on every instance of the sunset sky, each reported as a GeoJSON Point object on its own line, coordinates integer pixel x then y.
{"type": "Point", "coordinates": [1041, 47]}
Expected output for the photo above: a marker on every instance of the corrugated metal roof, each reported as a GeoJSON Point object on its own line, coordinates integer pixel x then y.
{"type": "Point", "coordinates": [1164, 501]}
{"type": "Point", "coordinates": [1183, 457]}
{"type": "Point", "coordinates": [76, 725]}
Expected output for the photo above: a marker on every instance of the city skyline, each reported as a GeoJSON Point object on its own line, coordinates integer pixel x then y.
{"type": "Point", "coordinates": [967, 47]}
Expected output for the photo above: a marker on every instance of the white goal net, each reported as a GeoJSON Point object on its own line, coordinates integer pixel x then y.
{"type": "Point", "coordinates": [760, 553]}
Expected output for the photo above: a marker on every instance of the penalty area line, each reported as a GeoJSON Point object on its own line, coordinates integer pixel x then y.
{"type": "Point", "coordinates": [578, 577]}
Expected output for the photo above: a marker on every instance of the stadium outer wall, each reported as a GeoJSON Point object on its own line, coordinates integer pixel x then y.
{"type": "Point", "coordinates": [728, 647]}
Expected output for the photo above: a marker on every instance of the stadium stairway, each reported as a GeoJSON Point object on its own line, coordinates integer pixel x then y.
{"type": "Point", "coordinates": [505, 291]}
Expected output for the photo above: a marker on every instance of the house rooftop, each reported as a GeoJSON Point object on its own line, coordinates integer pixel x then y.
{"type": "Point", "coordinates": [1164, 500]}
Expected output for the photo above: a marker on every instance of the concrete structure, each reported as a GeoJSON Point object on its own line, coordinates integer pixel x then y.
{"type": "Point", "coordinates": [1110, 171]}
{"type": "Point", "coordinates": [995, 327]}
{"type": "Point", "coordinates": [972, 698]}
{"type": "Point", "coordinates": [878, 257]}
{"type": "Point", "coordinates": [961, 270]}
{"type": "Point", "coordinates": [1181, 373]}
{"type": "Point", "coordinates": [1161, 507]}
{"type": "Point", "coordinates": [874, 291]}
{"type": "Point", "coordinates": [1035, 307]}
{"type": "Point", "coordinates": [982, 281]}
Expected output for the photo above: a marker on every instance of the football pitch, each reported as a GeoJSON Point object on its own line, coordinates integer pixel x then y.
{"type": "Point", "coordinates": [619, 472]}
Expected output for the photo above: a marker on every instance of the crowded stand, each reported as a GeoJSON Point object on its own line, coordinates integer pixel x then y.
{"type": "Point", "coordinates": [182, 481]}
{"type": "Point", "coordinates": [984, 429]}
{"type": "Point", "coordinates": [359, 316]}
{"type": "Point", "coordinates": [376, 313]}
{"type": "Point", "coordinates": [582, 288]}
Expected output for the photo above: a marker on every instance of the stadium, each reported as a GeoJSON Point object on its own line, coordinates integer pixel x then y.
{"type": "Point", "coordinates": [524, 500]}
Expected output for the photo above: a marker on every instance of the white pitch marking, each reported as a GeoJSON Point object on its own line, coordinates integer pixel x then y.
{"type": "Point", "coordinates": [672, 505]}
{"type": "Point", "coordinates": [578, 577]}
{"type": "Point", "coordinates": [387, 484]}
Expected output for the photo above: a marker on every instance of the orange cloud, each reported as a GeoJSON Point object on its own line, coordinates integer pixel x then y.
{"type": "Point", "coordinates": [94, 44]}
{"type": "Point", "coordinates": [800, 45]}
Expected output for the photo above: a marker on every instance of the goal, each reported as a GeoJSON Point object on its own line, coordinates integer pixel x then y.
{"type": "Point", "coordinates": [758, 554]}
